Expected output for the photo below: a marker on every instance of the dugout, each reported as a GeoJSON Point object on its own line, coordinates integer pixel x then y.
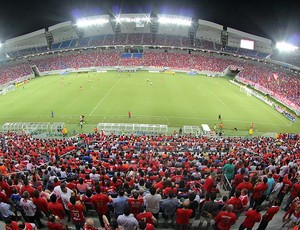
{"type": "Point", "coordinates": [205, 129]}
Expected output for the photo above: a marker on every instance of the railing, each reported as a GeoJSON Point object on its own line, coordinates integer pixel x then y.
{"type": "Point", "coordinates": [226, 185]}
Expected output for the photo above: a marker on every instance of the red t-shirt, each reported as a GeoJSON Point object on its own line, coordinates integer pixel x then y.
{"type": "Point", "coordinates": [252, 216]}
{"type": "Point", "coordinates": [77, 212]}
{"type": "Point", "coordinates": [238, 179]}
{"type": "Point", "coordinates": [55, 226]}
{"type": "Point", "coordinates": [268, 216]}
{"type": "Point", "coordinates": [56, 209]}
{"type": "Point", "coordinates": [12, 226]}
{"type": "Point", "coordinates": [149, 227]}
{"type": "Point", "coordinates": [41, 203]}
{"type": "Point", "coordinates": [236, 202]}
{"type": "Point", "coordinates": [183, 216]}
{"type": "Point", "coordinates": [295, 191]}
{"type": "Point", "coordinates": [208, 185]}
{"type": "Point", "coordinates": [145, 217]}
{"type": "Point", "coordinates": [3, 197]}
{"type": "Point", "coordinates": [28, 226]}
{"type": "Point", "coordinates": [29, 189]}
{"type": "Point", "coordinates": [246, 185]}
{"type": "Point", "coordinates": [244, 200]}
{"type": "Point", "coordinates": [135, 204]}
{"type": "Point", "coordinates": [85, 227]}
{"type": "Point", "coordinates": [259, 190]}
{"type": "Point", "coordinates": [100, 202]}
{"type": "Point", "coordinates": [287, 184]}
{"type": "Point", "coordinates": [225, 219]}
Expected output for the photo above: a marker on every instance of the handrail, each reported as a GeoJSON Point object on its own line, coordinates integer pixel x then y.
{"type": "Point", "coordinates": [226, 185]}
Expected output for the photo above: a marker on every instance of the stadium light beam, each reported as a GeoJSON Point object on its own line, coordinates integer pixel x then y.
{"type": "Point", "coordinates": [175, 21]}
{"type": "Point", "coordinates": [84, 22]}
{"type": "Point", "coordinates": [285, 47]}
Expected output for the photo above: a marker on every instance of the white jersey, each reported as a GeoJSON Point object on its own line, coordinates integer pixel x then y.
{"type": "Point", "coordinates": [65, 197]}
{"type": "Point", "coordinates": [28, 206]}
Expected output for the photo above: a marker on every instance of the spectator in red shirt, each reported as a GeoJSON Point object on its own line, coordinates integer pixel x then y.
{"type": "Point", "coordinates": [287, 185]}
{"type": "Point", "coordinates": [238, 178]}
{"type": "Point", "coordinates": [252, 216]}
{"type": "Point", "coordinates": [100, 202]}
{"type": "Point", "coordinates": [235, 202]}
{"type": "Point", "coordinates": [27, 188]}
{"type": "Point", "coordinates": [268, 216]}
{"type": "Point", "coordinates": [76, 209]}
{"type": "Point", "coordinates": [135, 202]}
{"type": "Point", "coordinates": [225, 219]}
{"type": "Point", "coordinates": [295, 193]}
{"type": "Point", "coordinates": [258, 192]}
{"type": "Point", "coordinates": [11, 225]}
{"type": "Point", "coordinates": [54, 223]}
{"type": "Point", "coordinates": [40, 202]}
{"type": "Point", "coordinates": [183, 216]}
{"type": "Point", "coordinates": [245, 184]}
{"type": "Point", "coordinates": [145, 216]}
{"type": "Point", "coordinates": [89, 224]}
{"type": "Point", "coordinates": [209, 183]}
{"type": "Point", "coordinates": [146, 226]}
{"type": "Point", "coordinates": [56, 208]}
{"type": "Point", "coordinates": [81, 186]}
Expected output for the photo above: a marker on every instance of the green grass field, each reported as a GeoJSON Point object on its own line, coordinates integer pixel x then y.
{"type": "Point", "coordinates": [172, 100]}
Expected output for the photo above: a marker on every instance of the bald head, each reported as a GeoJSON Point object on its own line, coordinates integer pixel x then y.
{"type": "Point", "coordinates": [89, 222]}
{"type": "Point", "coordinates": [186, 204]}
{"type": "Point", "coordinates": [229, 208]}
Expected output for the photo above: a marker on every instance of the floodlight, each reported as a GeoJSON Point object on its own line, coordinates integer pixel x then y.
{"type": "Point", "coordinates": [118, 19]}
{"type": "Point", "coordinates": [175, 21]}
{"type": "Point", "coordinates": [0, 44]}
{"type": "Point", "coordinates": [85, 22]}
{"type": "Point", "coordinates": [285, 47]}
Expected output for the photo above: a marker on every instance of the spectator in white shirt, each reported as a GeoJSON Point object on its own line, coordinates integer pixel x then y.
{"type": "Point", "coordinates": [5, 210]}
{"type": "Point", "coordinates": [30, 210]}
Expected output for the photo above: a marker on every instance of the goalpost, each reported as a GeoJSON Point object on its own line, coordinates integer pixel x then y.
{"type": "Point", "coordinates": [7, 89]}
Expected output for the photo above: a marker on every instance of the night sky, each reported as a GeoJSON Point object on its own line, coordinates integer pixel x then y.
{"type": "Point", "coordinates": [276, 20]}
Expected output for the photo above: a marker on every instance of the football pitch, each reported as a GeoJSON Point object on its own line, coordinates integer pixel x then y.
{"type": "Point", "coordinates": [152, 98]}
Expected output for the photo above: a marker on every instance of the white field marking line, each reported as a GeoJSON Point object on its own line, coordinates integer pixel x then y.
{"type": "Point", "coordinates": [242, 106]}
{"type": "Point", "coordinates": [212, 93]}
{"type": "Point", "coordinates": [104, 97]}
{"type": "Point", "coordinates": [273, 111]}
{"type": "Point", "coordinates": [195, 118]}
{"type": "Point", "coordinates": [162, 117]}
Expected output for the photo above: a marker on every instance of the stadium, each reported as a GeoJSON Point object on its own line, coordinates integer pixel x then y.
{"type": "Point", "coordinates": [131, 102]}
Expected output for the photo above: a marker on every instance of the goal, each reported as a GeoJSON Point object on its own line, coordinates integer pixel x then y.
{"type": "Point", "coordinates": [7, 89]}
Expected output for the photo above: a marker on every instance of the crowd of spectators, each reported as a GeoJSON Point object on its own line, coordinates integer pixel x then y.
{"type": "Point", "coordinates": [140, 39]}
{"type": "Point", "coordinates": [131, 180]}
{"type": "Point", "coordinates": [14, 72]}
{"type": "Point", "coordinates": [273, 82]}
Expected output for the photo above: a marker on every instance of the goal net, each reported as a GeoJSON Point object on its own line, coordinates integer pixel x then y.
{"type": "Point", "coordinates": [7, 89]}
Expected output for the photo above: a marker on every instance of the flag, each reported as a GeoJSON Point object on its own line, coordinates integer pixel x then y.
{"type": "Point", "coordinates": [275, 75]}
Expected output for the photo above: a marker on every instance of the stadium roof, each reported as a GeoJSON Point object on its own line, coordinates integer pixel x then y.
{"type": "Point", "coordinates": [273, 19]}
